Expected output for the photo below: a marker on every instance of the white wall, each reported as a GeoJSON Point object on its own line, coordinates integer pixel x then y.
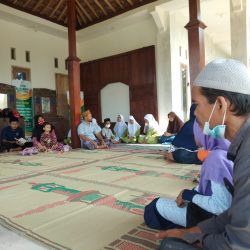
{"type": "Point", "coordinates": [212, 51]}
{"type": "Point", "coordinates": [115, 101]}
{"type": "Point", "coordinates": [138, 35]}
{"type": "Point", "coordinates": [43, 48]}
{"type": "Point", "coordinates": [164, 76]}
{"type": "Point", "coordinates": [179, 38]}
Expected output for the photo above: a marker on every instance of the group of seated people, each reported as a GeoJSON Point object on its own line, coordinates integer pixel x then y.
{"type": "Point", "coordinates": [212, 196]}
{"type": "Point", "coordinates": [93, 137]}
{"type": "Point", "coordinates": [180, 135]}
{"type": "Point", "coordinates": [43, 137]}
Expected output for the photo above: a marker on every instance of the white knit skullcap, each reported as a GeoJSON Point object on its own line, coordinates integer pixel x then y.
{"type": "Point", "coordinates": [225, 74]}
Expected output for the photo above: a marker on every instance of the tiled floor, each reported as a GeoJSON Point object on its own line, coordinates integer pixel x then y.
{"type": "Point", "coordinates": [12, 241]}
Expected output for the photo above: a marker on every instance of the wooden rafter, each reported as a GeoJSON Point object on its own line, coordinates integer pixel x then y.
{"type": "Point", "coordinates": [84, 11]}
{"type": "Point", "coordinates": [46, 6]}
{"type": "Point", "coordinates": [130, 2]}
{"type": "Point", "coordinates": [88, 12]}
{"type": "Point", "coordinates": [101, 7]}
{"type": "Point", "coordinates": [37, 5]}
{"type": "Point", "coordinates": [79, 19]}
{"type": "Point", "coordinates": [62, 13]}
{"type": "Point", "coordinates": [91, 8]}
{"type": "Point", "coordinates": [56, 8]}
{"type": "Point", "coordinates": [110, 6]}
{"type": "Point", "coordinates": [119, 3]}
{"type": "Point", "coordinates": [81, 15]}
{"type": "Point", "coordinates": [27, 3]}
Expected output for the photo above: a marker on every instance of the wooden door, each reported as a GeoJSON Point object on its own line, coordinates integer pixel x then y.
{"type": "Point", "coordinates": [62, 86]}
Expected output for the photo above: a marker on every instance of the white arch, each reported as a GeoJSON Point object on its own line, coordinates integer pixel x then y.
{"type": "Point", "coordinates": [115, 100]}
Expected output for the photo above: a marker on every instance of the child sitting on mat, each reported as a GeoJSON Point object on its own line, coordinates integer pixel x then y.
{"type": "Point", "coordinates": [107, 132]}
{"type": "Point", "coordinates": [48, 140]}
{"type": "Point", "coordinates": [13, 137]}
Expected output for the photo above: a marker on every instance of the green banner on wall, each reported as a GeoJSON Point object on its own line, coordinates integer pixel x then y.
{"type": "Point", "coordinates": [24, 102]}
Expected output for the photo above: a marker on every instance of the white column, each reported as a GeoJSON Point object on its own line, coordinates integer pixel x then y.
{"type": "Point", "coordinates": [163, 66]}
{"type": "Point", "coordinates": [239, 18]}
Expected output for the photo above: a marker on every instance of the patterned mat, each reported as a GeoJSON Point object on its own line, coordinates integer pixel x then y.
{"type": "Point", "coordinates": [87, 199]}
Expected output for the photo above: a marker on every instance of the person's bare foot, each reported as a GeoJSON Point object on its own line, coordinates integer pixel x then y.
{"type": "Point", "coordinates": [169, 157]}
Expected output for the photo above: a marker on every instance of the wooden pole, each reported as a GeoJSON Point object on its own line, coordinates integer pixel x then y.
{"type": "Point", "coordinates": [195, 39]}
{"type": "Point", "coordinates": [74, 75]}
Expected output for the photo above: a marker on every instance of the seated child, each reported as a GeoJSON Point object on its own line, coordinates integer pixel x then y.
{"type": "Point", "coordinates": [132, 132]}
{"type": "Point", "coordinates": [13, 137]}
{"type": "Point", "coordinates": [107, 132]}
{"type": "Point", "coordinates": [120, 128]}
{"type": "Point", "coordinates": [151, 131]}
{"type": "Point", "coordinates": [211, 197]}
{"type": "Point", "coordinates": [48, 140]}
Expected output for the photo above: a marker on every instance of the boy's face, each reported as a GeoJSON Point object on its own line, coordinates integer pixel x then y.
{"type": "Point", "coordinates": [107, 124]}
{"type": "Point", "coordinates": [119, 119]}
{"type": "Point", "coordinates": [14, 125]}
{"type": "Point", "coordinates": [131, 121]}
{"type": "Point", "coordinates": [47, 128]}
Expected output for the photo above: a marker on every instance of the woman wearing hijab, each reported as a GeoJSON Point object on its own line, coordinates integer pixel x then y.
{"type": "Point", "coordinates": [211, 197]}
{"type": "Point", "coordinates": [174, 126]}
{"type": "Point", "coordinates": [151, 130]}
{"type": "Point", "coordinates": [184, 143]}
{"type": "Point", "coordinates": [37, 132]}
{"type": "Point", "coordinates": [133, 131]}
{"type": "Point", "coordinates": [120, 127]}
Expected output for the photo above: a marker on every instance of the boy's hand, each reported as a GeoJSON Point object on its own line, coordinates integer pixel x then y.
{"type": "Point", "coordinates": [175, 233]}
{"type": "Point", "coordinates": [179, 200]}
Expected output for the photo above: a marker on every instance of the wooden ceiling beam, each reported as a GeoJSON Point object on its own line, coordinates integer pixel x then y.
{"type": "Point", "coordinates": [91, 8]}
{"type": "Point", "coordinates": [37, 5]}
{"type": "Point", "coordinates": [79, 19]}
{"type": "Point", "coordinates": [110, 6]}
{"type": "Point", "coordinates": [101, 7]}
{"type": "Point", "coordinates": [120, 4]}
{"type": "Point", "coordinates": [81, 15]}
{"type": "Point", "coordinates": [62, 13]}
{"type": "Point", "coordinates": [130, 2]}
{"type": "Point", "coordinates": [27, 3]}
{"type": "Point", "coordinates": [56, 8]}
{"type": "Point", "coordinates": [84, 11]}
{"type": "Point", "coordinates": [46, 6]}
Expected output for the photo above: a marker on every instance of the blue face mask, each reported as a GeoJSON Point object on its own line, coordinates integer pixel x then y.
{"type": "Point", "coordinates": [218, 132]}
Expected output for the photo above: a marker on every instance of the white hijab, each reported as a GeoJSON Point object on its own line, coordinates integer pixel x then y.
{"type": "Point", "coordinates": [152, 123]}
{"type": "Point", "coordinates": [120, 127]}
{"type": "Point", "coordinates": [132, 128]}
